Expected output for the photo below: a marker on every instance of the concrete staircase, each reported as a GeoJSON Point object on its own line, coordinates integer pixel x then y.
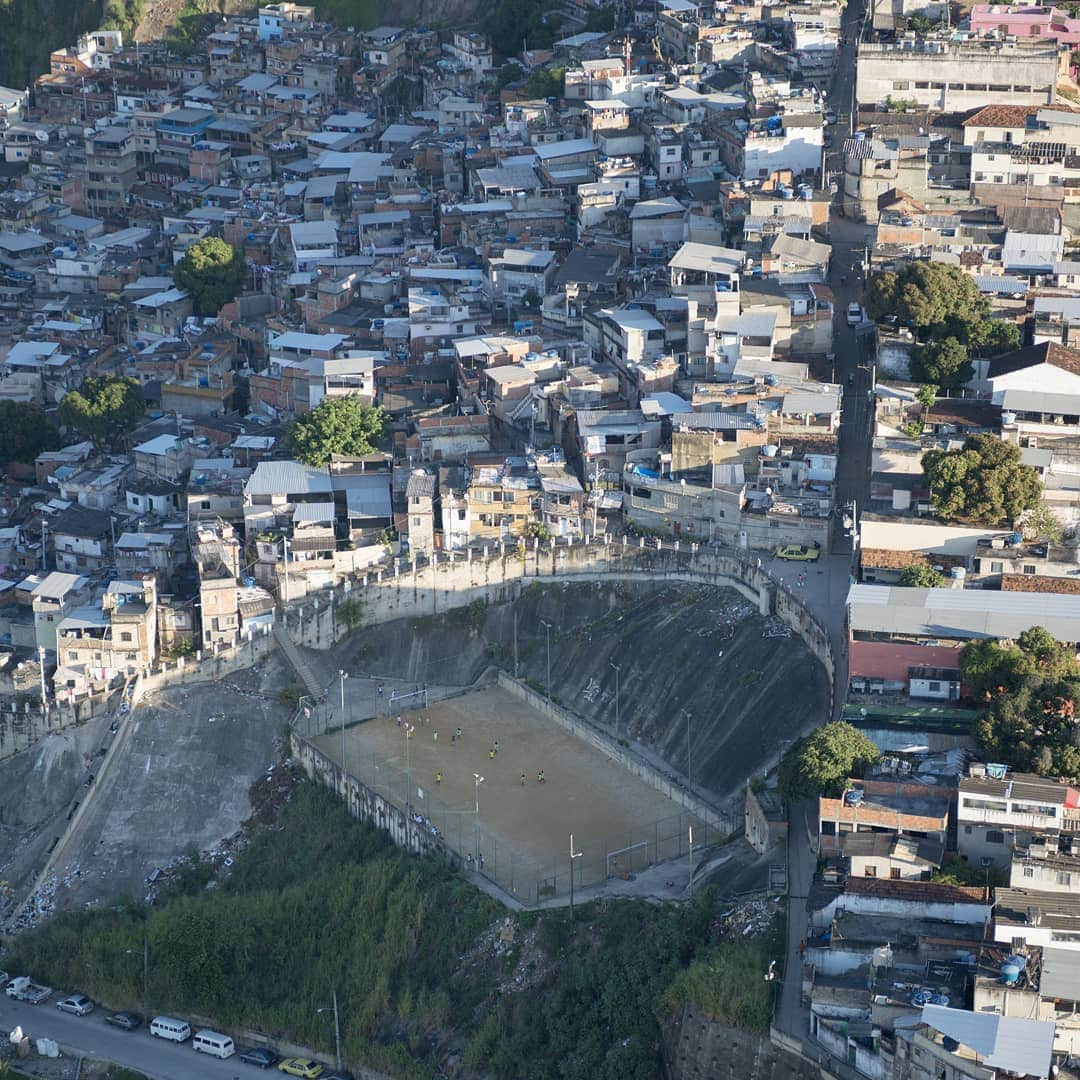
{"type": "Point", "coordinates": [300, 666]}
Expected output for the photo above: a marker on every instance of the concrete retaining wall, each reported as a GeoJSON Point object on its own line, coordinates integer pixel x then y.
{"type": "Point", "coordinates": [667, 784]}
{"type": "Point", "coordinates": [364, 803]}
{"type": "Point", "coordinates": [497, 575]}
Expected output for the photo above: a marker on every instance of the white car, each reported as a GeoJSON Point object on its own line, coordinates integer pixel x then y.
{"type": "Point", "coordinates": [854, 314]}
{"type": "Point", "coordinates": [77, 1004]}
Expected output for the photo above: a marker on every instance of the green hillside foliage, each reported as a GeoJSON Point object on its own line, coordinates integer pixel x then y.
{"type": "Point", "coordinates": [414, 952]}
{"type": "Point", "coordinates": [31, 29]}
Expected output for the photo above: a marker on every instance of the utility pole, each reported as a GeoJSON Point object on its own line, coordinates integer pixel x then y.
{"type": "Point", "coordinates": [596, 497]}
{"type": "Point", "coordinates": [337, 1036]}
{"type": "Point", "coordinates": [285, 542]}
{"type": "Point", "coordinates": [573, 855]}
{"type": "Point", "coordinates": [515, 644]}
{"type": "Point", "coordinates": [146, 972]}
{"type": "Point", "coordinates": [617, 670]}
{"type": "Point", "coordinates": [547, 629]}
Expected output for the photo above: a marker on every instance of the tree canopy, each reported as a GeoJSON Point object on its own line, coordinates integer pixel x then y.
{"type": "Point", "coordinates": [925, 294]}
{"type": "Point", "coordinates": [921, 576]}
{"type": "Point", "coordinates": [213, 272]}
{"type": "Point", "coordinates": [982, 483]}
{"type": "Point", "coordinates": [944, 363]}
{"type": "Point", "coordinates": [104, 408]}
{"type": "Point", "coordinates": [822, 762]}
{"type": "Point", "coordinates": [338, 425]}
{"type": "Point", "coordinates": [990, 669]}
{"type": "Point", "coordinates": [25, 431]}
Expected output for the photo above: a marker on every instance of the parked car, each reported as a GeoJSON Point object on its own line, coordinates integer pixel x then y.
{"type": "Point", "coordinates": [854, 314]}
{"type": "Point", "coordinates": [304, 1067]}
{"type": "Point", "coordinates": [798, 553]}
{"type": "Point", "coordinates": [260, 1056]}
{"type": "Point", "coordinates": [77, 1004]}
{"type": "Point", "coordinates": [830, 116]}
{"type": "Point", "coordinates": [128, 1021]}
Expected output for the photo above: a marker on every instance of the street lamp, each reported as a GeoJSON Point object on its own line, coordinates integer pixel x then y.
{"type": "Point", "coordinates": [337, 1032]}
{"type": "Point", "coordinates": [476, 825]}
{"type": "Point", "coordinates": [407, 730]}
{"type": "Point", "coordinates": [145, 969]}
{"type": "Point", "coordinates": [573, 855]}
{"type": "Point", "coordinates": [547, 631]}
{"type": "Point", "coordinates": [617, 670]}
{"type": "Point", "coordinates": [343, 676]}
{"type": "Point", "coordinates": [689, 775]}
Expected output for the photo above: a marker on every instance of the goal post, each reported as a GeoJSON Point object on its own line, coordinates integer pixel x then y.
{"type": "Point", "coordinates": [626, 860]}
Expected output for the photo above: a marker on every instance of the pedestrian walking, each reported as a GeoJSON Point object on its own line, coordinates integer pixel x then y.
{"type": "Point", "coordinates": [399, 721]}
{"type": "Point", "coordinates": [438, 778]}
{"type": "Point", "coordinates": [522, 784]}
{"type": "Point", "coordinates": [468, 860]}
{"type": "Point", "coordinates": [453, 740]}
{"type": "Point", "coordinates": [458, 733]}
{"type": "Point", "coordinates": [434, 736]}
{"type": "Point", "coordinates": [481, 860]}
{"type": "Point", "coordinates": [491, 755]}
{"type": "Point", "coordinates": [496, 746]}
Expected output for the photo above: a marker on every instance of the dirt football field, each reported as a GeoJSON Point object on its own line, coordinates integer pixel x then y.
{"type": "Point", "coordinates": [523, 827]}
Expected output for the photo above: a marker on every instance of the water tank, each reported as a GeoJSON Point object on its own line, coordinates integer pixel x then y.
{"type": "Point", "coordinates": [958, 575]}
{"type": "Point", "coordinates": [1016, 538]}
{"type": "Point", "coordinates": [950, 1043]}
{"type": "Point", "coordinates": [770, 380]}
{"type": "Point", "coordinates": [1008, 418]}
{"type": "Point", "coordinates": [770, 451]}
{"type": "Point", "coordinates": [1010, 973]}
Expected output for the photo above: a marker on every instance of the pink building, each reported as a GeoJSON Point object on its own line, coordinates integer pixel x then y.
{"type": "Point", "coordinates": [1026, 22]}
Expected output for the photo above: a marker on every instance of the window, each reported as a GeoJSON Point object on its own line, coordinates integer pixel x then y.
{"type": "Point", "coordinates": [967, 830]}
{"type": "Point", "coordinates": [995, 836]}
{"type": "Point", "coordinates": [934, 687]}
{"type": "Point", "coordinates": [1029, 568]}
{"type": "Point", "coordinates": [870, 871]}
{"type": "Point", "coordinates": [416, 522]}
{"type": "Point", "coordinates": [1064, 877]}
{"type": "Point", "coordinates": [1029, 871]}
{"type": "Point", "coordinates": [985, 804]}
{"type": "Point", "coordinates": [901, 86]}
{"type": "Point", "coordinates": [125, 635]}
{"type": "Point", "coordinates": [894, 873]}
{"type": "Point", "coordinates": [996, 567]}
{"type": "Point", "coordinates": [828, 828]}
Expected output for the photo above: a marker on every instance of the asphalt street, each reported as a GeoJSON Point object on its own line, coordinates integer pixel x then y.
{"type": "Point", "coordinates": [91, 1037]}
{"type": "Point", "coordinates": [853, 371]}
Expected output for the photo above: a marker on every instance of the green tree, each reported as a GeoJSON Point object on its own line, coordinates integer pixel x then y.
{"type": "Point", "coordinates": [510, 72]}
{"type": "Point", "coordinates": [25, 431]}
{"type": "Point", "coordinates": [546, 82]}
{"type": "Point", "coordinates": [926, 396]}
{"type": "Point", "coordinates": [104, 408]}
{"type": "Point", "coordinates": [351, 612]}
{"type": "Point", "coordinates": [990, 337]}
{"type": "Point", "coordinates": [982, 483]}
{"type": "Point", "coordinates": [944, 363]}
{"type": "Point", "coordinates": [338, 425]}
{"type": "Point", "coordinates": [601, 20]}
{"type": "Point", "coordinates": [924, 294]}
{"type": "Point", "coordinates": [991, 669]}
{"type": "Point", "coordinates": [921, 576]}
{"type": "Point", "coordinates": [1044, 523]}
{"type": "Point", "coordinates": [821, 763]}
{"type": "Point", "coordinates": [1035, 727]}
{"type": "Point", "coordinates": [955, 871]}
{"type": "Point", "coordinates": [213, 272]}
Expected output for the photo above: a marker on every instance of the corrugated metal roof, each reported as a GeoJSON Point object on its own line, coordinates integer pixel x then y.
{"type": "Point", "coordinates": [962, 613]}
{"type": "Point", "coordinates": [1060, 975]}
{"type": "Point", "coordinates": [1003, 1042]}
{"type": "Point", "coordinates": [287, 478]}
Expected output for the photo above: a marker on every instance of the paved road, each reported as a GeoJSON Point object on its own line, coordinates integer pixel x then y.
{"type": "Point", "coordinates": [791, 1016]}
{"type": "Point", "coordinates": [91, 1037]}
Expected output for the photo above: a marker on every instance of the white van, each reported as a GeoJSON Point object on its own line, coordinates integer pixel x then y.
{"type": "Point", "coordinates": [214, 1043]}
{"type": "Point", "coordinates": [168, 1027]}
